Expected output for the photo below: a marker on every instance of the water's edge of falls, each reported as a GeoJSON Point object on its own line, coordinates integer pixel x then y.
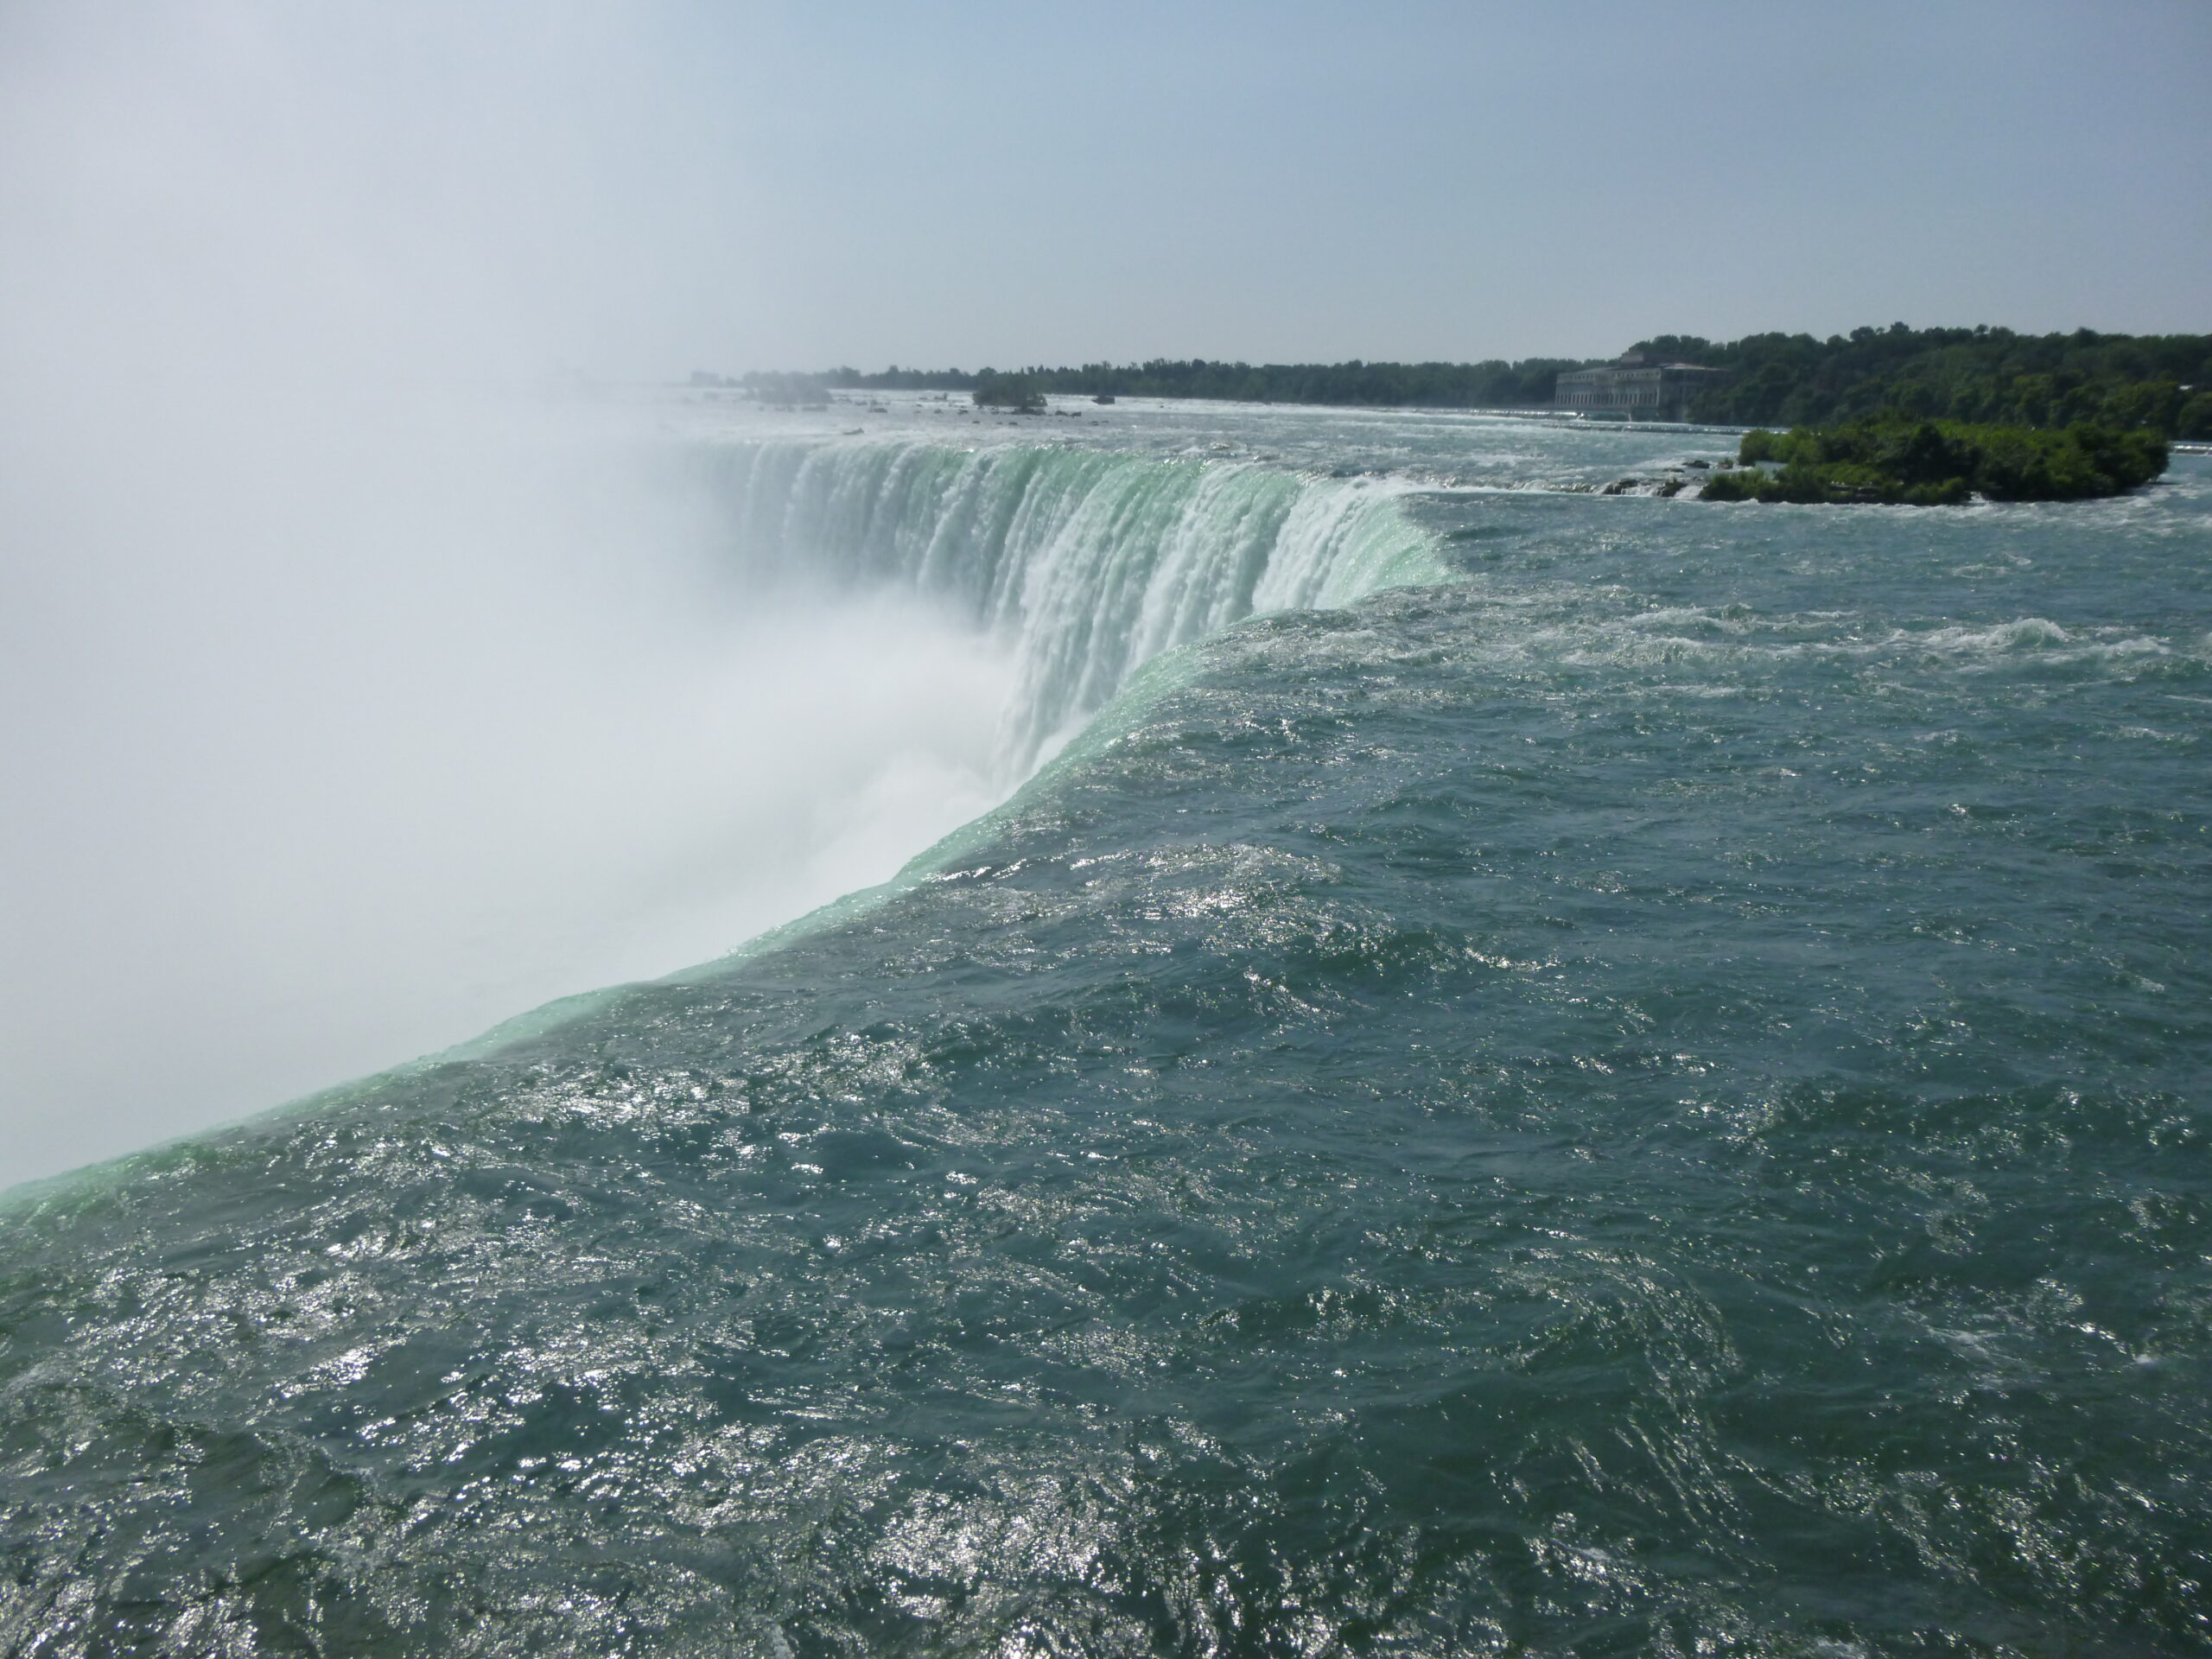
{"type": "Point", "coordinates": [1093, 567]}
{"type": "Point", "coordinates": [1088, 563]}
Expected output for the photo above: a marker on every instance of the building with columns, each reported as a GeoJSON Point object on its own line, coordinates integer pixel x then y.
{"type": "Point", "coordinates": [1641, 390]}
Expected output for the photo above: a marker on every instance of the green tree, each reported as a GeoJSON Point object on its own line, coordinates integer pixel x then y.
{"type": "Point", "coordinates": [1014, 391]}
{"type": "Point", "coordinates": [1925, 463]}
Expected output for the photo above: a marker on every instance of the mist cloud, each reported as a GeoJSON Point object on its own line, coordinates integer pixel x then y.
{"type": "Point", "coordinates": [362, 686]}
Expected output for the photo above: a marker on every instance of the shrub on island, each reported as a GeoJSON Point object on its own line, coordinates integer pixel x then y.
{"type": "Point", "coordinates": [789, 390]}
{"type": "Point", "coordinates": [1014, 391]}
{"type": "Point", "coordinates": [1897, 459]}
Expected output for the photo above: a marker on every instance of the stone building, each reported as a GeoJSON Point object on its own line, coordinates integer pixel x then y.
{"type": "Point", "coordinates": [1641, 390]}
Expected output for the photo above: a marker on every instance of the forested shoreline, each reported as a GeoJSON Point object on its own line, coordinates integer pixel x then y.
{"type": "Point", "coordinates": [1498, 384]}
{"type": "Point", "coordinates": [2160, 383]}
{"type": "Point", "coordinates": [1983, 375]}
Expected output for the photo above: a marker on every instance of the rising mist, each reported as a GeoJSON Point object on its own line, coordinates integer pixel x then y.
{"type": "Point", "coordinates": [367, 678]}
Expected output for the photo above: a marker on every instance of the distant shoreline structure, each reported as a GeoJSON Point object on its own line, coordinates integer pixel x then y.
{"type": "Point", "coordinates": [1641, 390]}
{"type": "Point", "coordinates": [2155, 382]}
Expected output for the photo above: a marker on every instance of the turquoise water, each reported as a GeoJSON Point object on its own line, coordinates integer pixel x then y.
{"type": "Point", "coordinates": [1607, 1076]}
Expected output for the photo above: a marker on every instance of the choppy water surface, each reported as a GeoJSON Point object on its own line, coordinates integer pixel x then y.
{"type": "Point", "coordinates": [1643, 1095]}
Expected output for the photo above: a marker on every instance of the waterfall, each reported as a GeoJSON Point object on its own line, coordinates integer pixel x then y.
{"type": "Point", "coordinates": [1088, 562]}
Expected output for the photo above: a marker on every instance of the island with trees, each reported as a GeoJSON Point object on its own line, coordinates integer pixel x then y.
{"type": "Point", "coordinates": [1017, 392]}
{"type": "Point", "coordinates": [1897, 460]}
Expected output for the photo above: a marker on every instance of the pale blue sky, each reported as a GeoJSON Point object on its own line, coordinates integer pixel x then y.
{"type": "Point", "coordinates": [640, 188]}
{"type": "Point", "coordinates": [932, 183]}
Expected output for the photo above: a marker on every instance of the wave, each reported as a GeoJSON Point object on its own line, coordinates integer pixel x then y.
{"type": "Point", "coordinates": [1087, 564]}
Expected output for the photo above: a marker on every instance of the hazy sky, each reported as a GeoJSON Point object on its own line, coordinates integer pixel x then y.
{"type": "Point", "coordinates": [630, 187]}
{"type": "Point", "coordinates": [342, 713]}
{"type": "Point", "coordinates": [1296, 181]}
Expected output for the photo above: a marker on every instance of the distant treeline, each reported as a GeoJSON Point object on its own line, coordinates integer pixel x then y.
{"type": "Point", "coordinates": [2161, 383]}
{"type": "Point", "coordinates": [1497, 384]}
{"type": "Point", "coordinates": [1987, 376]}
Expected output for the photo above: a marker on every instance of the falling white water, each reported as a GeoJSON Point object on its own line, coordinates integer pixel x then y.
{"type": "Point", "coordinates": [1086, 563]}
